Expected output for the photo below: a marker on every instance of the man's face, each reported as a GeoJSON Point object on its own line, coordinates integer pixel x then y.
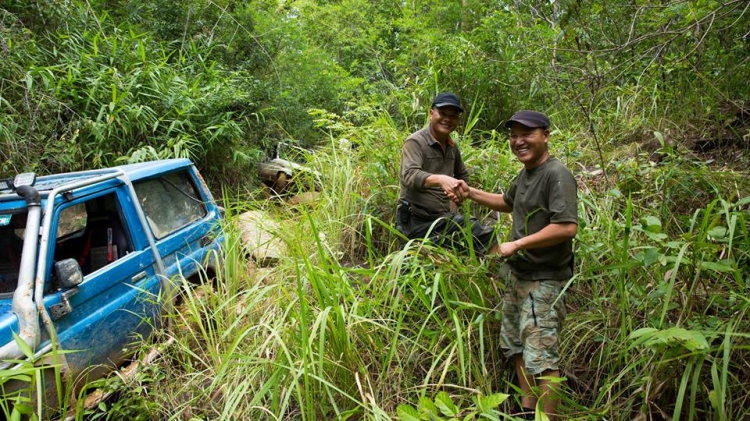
{"type": "Point", "coordinates": [529, 145]}
{"type": "Point", "coordinates": [444, 120]}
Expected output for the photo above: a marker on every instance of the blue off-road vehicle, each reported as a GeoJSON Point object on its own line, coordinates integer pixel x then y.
{"type": "Point", "coordinates": [88, 261]}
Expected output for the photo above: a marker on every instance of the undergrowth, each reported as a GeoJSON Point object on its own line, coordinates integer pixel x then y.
{"type": "Point", "coordinates": [355, 323]}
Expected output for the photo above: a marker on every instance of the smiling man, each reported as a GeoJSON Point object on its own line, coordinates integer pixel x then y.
{"type": "Point", "coordinates": [432, 171]}
{"type": "Point", "coordinates": [542, 201]}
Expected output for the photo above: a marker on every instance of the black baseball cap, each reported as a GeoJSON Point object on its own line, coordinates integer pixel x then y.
{"type": "Point", "coordinates": [532, 119]}
{"type": "Point", "coordinates": [447, 99]}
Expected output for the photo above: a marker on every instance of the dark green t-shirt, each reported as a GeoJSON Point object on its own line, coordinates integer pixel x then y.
{"type": "Point", "coordinates": [547, 194]}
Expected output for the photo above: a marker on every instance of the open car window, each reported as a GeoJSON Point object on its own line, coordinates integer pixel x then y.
{"type": "Point", "coordinates": [11, 244]}
{"type": "Point", "coordinates": [92, 233]}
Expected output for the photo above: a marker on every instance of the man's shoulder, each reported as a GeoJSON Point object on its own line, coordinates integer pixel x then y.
{"type": "Point", "coordinates": [556, 167]}
{"type": "Point", "coordinates": [421, 136]}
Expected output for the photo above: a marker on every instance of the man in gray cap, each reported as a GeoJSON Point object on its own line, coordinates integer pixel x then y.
{"type": "Point", "coordinates": [542, 201]}
{"type": "Point", "coordinates": [431, 170]}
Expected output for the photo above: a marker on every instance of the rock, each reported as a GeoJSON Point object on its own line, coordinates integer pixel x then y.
{"type": "Point", "coordinates": [306, 198]}
{"type": "Point", "coordinates": [259, 237]}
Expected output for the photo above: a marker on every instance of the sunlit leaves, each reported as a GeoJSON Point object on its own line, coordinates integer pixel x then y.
{"type": "Point", "coordinates": [690, 340]}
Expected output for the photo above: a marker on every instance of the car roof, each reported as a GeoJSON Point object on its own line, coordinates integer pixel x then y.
{"type": "Point", "coordinates": [134, 172]}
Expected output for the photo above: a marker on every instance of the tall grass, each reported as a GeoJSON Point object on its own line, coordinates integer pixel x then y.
{"type": "Point", "coordinates": [357, 324]}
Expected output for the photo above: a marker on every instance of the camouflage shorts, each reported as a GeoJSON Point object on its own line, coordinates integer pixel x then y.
{"type": "Point", "coordinates": [531, 325]}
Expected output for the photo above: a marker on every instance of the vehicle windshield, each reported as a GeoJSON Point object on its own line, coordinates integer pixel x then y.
{"type": "Point", "coordinates": [11, 243]}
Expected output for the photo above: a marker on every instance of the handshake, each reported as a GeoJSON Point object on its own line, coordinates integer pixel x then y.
{"type": "Point", "coordinates": [456, 190]}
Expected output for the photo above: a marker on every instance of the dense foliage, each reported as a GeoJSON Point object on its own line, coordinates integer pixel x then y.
{"type": "Point", "coordinates": [89, 84]}
{"type": "Point", "coordinates": [650, 106]}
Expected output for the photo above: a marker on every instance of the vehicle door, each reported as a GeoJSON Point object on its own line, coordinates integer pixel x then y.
{"type": "Point", "coordinates": [181, 217]}
{"type": "Point", "coordinates": [12, 224]}
{"type": "Point", "coordinates": [117, 301]}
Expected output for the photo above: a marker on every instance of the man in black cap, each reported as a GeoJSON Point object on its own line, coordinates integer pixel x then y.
{"type": "Point", "coordinates": [542, 200]}
{"type": "Point", "coordinates": [431, 170]}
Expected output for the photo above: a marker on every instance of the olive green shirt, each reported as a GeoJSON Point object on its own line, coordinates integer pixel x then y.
{"type": "Point", "coordinates": [424, 156]}
{"type": "Point", "coordinates": [544, 195]}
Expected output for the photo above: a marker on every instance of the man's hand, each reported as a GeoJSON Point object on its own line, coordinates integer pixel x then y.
{"type": "Point", "coordinates": [509, 249]}
{"type": "Point", "coordinates": [464, 190]}
{"type": "Point", "coordinates": [456, 190]}
{"type": "Point", "coordinates": [459, 193]}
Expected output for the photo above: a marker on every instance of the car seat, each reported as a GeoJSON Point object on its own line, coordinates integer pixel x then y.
{"type": "Point", "coordinates": [104, 242]}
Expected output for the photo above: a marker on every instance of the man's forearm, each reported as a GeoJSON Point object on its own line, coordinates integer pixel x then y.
{"type": "Point", "coordinates": [413, 178]}
{"type": "Point", "coordinates": [434, 180]}
{"type": "Point", "coordinates": [491, 200]}
{"type": "Point", "coordinates": [550, 235]}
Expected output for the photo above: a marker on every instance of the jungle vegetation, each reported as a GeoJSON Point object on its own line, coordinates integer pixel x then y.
{"type": "Point", "coordinates": [651, 111]}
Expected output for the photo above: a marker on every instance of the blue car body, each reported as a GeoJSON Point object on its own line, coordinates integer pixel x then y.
{"type": "Point", "coordinates": [132, 231]}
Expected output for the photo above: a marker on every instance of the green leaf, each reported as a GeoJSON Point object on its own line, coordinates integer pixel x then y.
{"type": "Point", "coordinates": [656, 236]}
{"type": "Point", "coordinates": [490, 416]}
{"type": "Point", "coordinates": [16, 414]}
{"type": "Point", "coordinates": [487, 403]}
{"type": "Point", "coordinates": [722, 267]}
{"type": "Point", "coordinates": [540, 415]}
{"type": "Point", "coordinates": [426, 406]}
{"type": "Point", "coordinates": [14, 376]}
{"type": "Point", "coordinates": [553, 379]}
{"type": "Point", "coordinates": [660, 138]}
{"type": "Point", "coordinates": [743, 201]}
{"type": "Point", "coordinates": [470, 416]}
{"type": "Point", "coordinates": [653, 224]}
{"type": "Point", "coordinates": [717, 232]}
{"type": "Point", "coordinates": [407, 413]}
{"type": "Point", "coordinates": [713, 397]}
{"type": "Point", "coordinates": [23, 346]}
{"type": "Point", "coordinates": [445, 404]}
{"type": "Point", "coordinates": [642, 332]}
{"type": "Point", "coordinates": [691, 340]}
{"type": "Point", "coordinates": [649, 256]}
{"type": "Point", "coordinates": [23, 408]}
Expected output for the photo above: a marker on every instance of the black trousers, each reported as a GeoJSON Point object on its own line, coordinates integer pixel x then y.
{"type": "Point", "coordinates": [450, 229]}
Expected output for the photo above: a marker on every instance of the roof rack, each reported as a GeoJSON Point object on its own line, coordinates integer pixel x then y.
{"type": "Point", "coordinates": [47, 183]}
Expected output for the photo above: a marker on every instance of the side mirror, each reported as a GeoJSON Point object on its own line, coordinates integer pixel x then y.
{"type": "Point", "coordinates": [68, 273]}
